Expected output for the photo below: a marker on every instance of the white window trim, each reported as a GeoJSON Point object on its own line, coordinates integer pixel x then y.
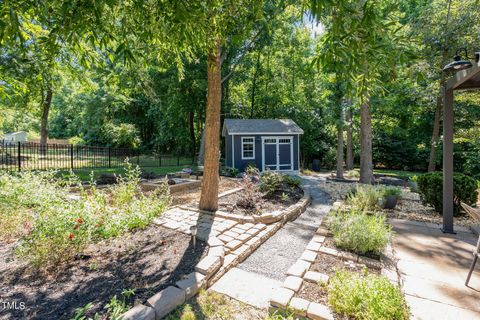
{"type": "Point", "coordinates": [253, 144]}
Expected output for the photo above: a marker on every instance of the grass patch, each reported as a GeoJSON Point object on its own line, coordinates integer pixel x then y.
{"type": "Point", "coordinates": [208, 305]}
{"type": "Point", "coordinates": [366, 297]}
{"type": "Point", "coordinates": [359, 232]}
{"type": "Point", "coordinates": [86, 174]}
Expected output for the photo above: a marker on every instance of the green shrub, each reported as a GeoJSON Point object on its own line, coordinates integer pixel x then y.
{"type": "Point", "coordinates": [359, 232]}
{"type": "Point", "coordinates": [229, 171]}
{"type": "Point", "coordinates": [292, 181]}
{"type": "Point", "coordinates": [430, 186]}
{"type": "Point", "coordinates": [251, 169]}
{"type": "Point", "coordinates": [77, 141]}
{"type": "Point", "coordinates": [353, 173]}
{"type": "Point", "coordinates": [366, 297]}
{"type": "Point", "coordinates": [270, 182]}
{"type": "Point", "coordinates": [364, 197]}
{"type": "Point", "coordinates": [390, 191]}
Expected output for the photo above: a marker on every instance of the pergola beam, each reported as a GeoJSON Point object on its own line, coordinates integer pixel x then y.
{"type": "Point", "coordinates": [463, 79]}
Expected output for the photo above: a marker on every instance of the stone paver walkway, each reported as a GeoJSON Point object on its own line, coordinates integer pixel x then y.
{"type": "Point", "coordinates": [433, 267]}
{"type": "Point", "coordinates": [271, 261]}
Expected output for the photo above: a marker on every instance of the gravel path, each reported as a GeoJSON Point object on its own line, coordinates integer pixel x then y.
{"type": "Point", "coordinates": [273, 258]}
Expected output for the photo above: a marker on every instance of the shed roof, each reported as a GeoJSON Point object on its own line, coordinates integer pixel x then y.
{"type": "Point", "coordinates": [257, 126]}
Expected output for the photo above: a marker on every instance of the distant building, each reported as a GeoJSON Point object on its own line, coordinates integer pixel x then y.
{"type": "Point", "coordinates": [270, 144]}
{"type": "Point", "coordinates": [14, 137]}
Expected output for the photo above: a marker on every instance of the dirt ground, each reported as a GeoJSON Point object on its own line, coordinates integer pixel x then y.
{"type": "Point", "coordinates": [147, 261]}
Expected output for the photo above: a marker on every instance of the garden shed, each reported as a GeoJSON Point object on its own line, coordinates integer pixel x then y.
{"type": "Point", "coordinates": [14, 137]}
{"type": "Point", "coordinates": [270, 144]}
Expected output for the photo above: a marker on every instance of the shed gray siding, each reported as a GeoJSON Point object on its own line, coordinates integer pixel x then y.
{"type": "Point", "coordinates": [240, 164]}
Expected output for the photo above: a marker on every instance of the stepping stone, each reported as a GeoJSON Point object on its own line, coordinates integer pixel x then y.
{"type": "Point", "coordinates": [316, 277]}
{"type": "Point", "coordinates": [217, 251]}
{"type": "Point", "coordinates": [293, 283]}
{"type": "Point", "coordinates": [241, 227]}
{"type": "Point", "coordinates": [232, 234]}
{"type": "Point", "coordinates": [348, 256]}
{"type": "Point", "coordinates": [309, 256]}
{"type": "Point", "coordinates": [281, 297]}
{"type": "Point", "coordinates": [234, 244]}
{"type": "Point", "coordinates": [191, 284]}
{"type": "Point", "coordinates": [329, 251]}
{"type": "Point", "coordinates": [238, 230]}
{"type": "Point", "coordinates": [299, 268]}
{"type": "Point", "coordinates": [139, 312]}
{"type": "Point", "coordinates": [318, 311]}
{"type": "Point", "coordinates": [166, 301]}
{"type": "Point", "coordinates": [208, 265]}
{"type": "Point", "coordinates": [172, 225]}
{"type": "Point", "coordinates": [318, 238]}
{"type": "Point", "coordinates": [244, 237]}
{"type": "Point", "coordinates": [299, 306]}
{"type": "Point", "coordinates": [225, 238]}
{"type": "Point", "coordinates": [313, 246]}
{"type": "Point", "coordinates": [214, 241]}
{"type": "Point", "coordinates": [260, 226]}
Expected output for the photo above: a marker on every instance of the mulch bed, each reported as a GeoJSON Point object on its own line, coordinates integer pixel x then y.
{"type": "Point", "coordinates": [267, 204]}
{"type": "Point", "coordinates": [147, 260]}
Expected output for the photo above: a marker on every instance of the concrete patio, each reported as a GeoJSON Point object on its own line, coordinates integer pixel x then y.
{"type": "Point", "coordinates": [434, 266]}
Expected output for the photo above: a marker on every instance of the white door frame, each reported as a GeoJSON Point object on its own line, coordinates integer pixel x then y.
{"type": "Point", "coordinates": [277, 138]}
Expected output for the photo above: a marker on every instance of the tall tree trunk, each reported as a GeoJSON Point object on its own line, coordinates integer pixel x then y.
{"type": "Point", "coordinates": [366, 163]}
{"type": "Point", "coordinates": [47, 102]}
{"type": "Point", "coordinates": [349, 161]}
{"type": "Point", "coordinates": [340, 140]}
{"type": "Point", "coordinates": [209, 196]}
{"type": "Point", "coordinates": [254, 86]}
{"type": "Point", "coordinates": [191, 125]}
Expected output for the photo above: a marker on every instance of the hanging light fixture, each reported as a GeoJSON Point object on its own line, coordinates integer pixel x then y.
{"type": "Point", "coordinates": [458, 63]}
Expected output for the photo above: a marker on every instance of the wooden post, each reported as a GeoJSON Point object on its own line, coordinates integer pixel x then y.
{"type": "Point", "coordinates": [448, 123]}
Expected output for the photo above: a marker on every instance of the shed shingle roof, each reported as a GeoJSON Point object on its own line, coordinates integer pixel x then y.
{"type": "Point", "coordinates": [283, 126]}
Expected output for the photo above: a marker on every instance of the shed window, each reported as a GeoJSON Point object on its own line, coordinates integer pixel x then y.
{"type": "Point", "coordinates": [248, 148]}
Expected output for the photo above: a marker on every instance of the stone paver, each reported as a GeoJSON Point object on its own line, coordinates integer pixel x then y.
{"type": "Point", "coordinates": [293, 283]}
{"type": "Point", "coordinates": [313, 276]}
{"type": "Point", "coordinates": [318, 311]}
{"type": "Point", "coordinates": [299, 305]}
{"type": "Point", "coordinates": [433, 267]}
{"type": "Point", "coordinates": [247, 287]}
{"type": "Point", "coordinates": [166, 301]}
{"type": "Point", "coordinates": [281, 297]}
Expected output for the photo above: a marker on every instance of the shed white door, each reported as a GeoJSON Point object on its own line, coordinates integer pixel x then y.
{"type": "Point", "coordinates": [277, 153]}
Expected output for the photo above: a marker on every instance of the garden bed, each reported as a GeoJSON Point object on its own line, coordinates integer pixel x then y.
{"type": "Point", "coordinates": [328, 264]}
{"type": "Point", "coordinates": [147, 261]}
{"type": "Point", "coordinates": [277, 201]}
{"type": "Point", "coordinates": [192, 196]}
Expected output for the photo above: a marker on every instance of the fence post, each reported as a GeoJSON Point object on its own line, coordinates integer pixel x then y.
{"type": "Point", "coordinates": [19, 150]}
{"type": "Point", "coordinates": [178, 161]}
{"type": "Point", "coordinates": [159, 160]}
{"type": "Point", "coordinates": [71, 156]}
{"type": "Point", "coordinates": [109, 157]}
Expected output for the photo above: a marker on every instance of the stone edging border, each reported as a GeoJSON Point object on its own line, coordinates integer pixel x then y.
{"type": "Point", "coordinates": [283, 298]}
{"type": "Point", "coordinates": [283, 215]}
{"type": "Point", "coordinates": [218, 261]}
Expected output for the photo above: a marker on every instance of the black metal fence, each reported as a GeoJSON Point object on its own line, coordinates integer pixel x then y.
{"type": "Point", "coordinates": [35, 156]}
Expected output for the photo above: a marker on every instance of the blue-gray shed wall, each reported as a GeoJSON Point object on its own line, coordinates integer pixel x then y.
{"type": "Point", "coordinates": [240, 164]}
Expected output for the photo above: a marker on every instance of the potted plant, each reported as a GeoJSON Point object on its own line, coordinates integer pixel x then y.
{"type": "Point", "coordinates": [412, 182]}
{"type": "Point", "coordinates": [390, 196]}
